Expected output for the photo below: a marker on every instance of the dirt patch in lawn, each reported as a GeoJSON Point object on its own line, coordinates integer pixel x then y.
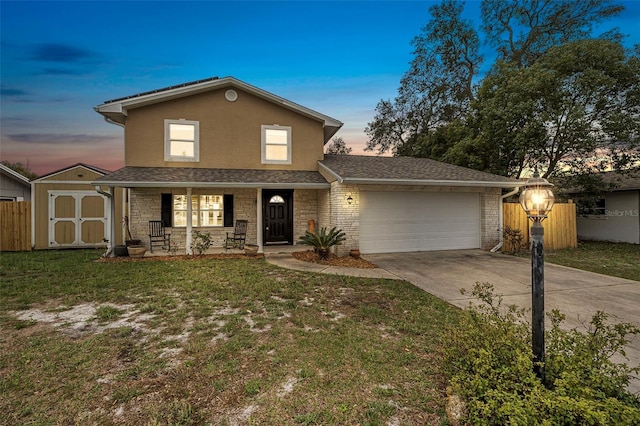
{"type": "Point", "coordinates": [333, 260]}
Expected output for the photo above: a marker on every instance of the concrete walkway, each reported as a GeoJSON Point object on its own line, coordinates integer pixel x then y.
{"type": "Point", "coordinates": [576, 293]}
{"type": "Point", "coordinates": [286, 260]}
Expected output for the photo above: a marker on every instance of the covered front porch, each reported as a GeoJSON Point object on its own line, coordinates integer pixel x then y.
{"type": "Point", "coordinates": [277, 205]}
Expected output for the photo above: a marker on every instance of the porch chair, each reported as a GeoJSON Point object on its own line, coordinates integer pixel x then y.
{"type": "Point", "coordinates": [157, 235]}
{"type": "Point", "coordinates": [237, 238]}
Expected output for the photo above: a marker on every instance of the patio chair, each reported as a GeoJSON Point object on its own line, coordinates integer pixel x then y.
{"type": "Point", "coordinates": [157, 235]}
{"type": "Point", "coordinates": [237, 238]}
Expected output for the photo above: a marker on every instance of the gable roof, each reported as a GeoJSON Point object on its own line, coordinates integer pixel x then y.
{"type": "Point", "coordinates": [181, 177]}
{"type": "Point", "coordinates": [115, 110]}
{"type": "Point", "coordinates": [65, 169]}
{"type": "Point", "coordinates": [7, 171]}
{"type": "Point", "coordinates": [359, 169]}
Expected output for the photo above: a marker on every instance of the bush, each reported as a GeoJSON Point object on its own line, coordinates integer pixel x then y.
{"type": "Point", "coordinates": [489, 363]}
{"type": "Point", "coordinates": [514, 240]}
{"type": "Point", "coordinates": [323, 241]}
{"type": "Point", "coordinates": [201, 241]}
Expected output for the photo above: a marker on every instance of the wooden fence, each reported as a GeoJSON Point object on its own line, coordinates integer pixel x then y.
{"type": "Point", "coordinates": [15, 226]}
{"type": "Point", "coordinates": [559, 228]}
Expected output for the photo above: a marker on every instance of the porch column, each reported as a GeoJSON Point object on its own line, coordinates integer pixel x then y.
{"type": "Point", "coordinates": [259, 235]}
{"type": "Point", "coordinates": [188, 241]}
{"type": "Point", "coordinates": [112, 222]}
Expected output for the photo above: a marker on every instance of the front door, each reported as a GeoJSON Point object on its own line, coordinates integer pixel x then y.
{"type": "Point", "coordinates": [278, 216]}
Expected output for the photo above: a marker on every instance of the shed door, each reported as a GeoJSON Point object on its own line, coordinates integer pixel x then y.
{"type": "Point", "coordinates": [418, 221]}
{"type": "Point", "coordinates": [77, 219]}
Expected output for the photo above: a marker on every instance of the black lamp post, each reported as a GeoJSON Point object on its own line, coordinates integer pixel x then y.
{"type": "Point", "coordinates": [537, 200]}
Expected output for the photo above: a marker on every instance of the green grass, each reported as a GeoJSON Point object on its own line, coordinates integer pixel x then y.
{"type": "Point", "coordinates": [615, 259]}
{"type": "Point", "coordinates": [214, 341]}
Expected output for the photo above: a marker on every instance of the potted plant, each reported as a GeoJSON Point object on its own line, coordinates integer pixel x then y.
{"type": "Point", "coordinates": [250, 249]}
{"type": "Point", "coordinates": [130, 241]}
{"type": "Point", "coordinates": [134, 247]}
{"type": "Point", "coordinates": [322, 241]}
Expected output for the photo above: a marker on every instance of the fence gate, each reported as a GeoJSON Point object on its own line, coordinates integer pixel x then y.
{"type": "Point", "coordinates": [77, 219]}
{"type": "Point", "coordinates": [560, 230]}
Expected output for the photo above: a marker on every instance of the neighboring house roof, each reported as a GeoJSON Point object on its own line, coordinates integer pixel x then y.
{"type": "Point", "coordinates": [7, 171]}
{"type": "Point", "coordinates": [86, 166]}
{"type": "Point", "coordinates": [357, 169]}
{"type": "Point", "coordinates": [167, 177]}
{"type": "Point", "coordinates": [618, 182]}
{"type": "Point", "coordinates": [115, 110]}
{"type": "Point", "coordinates": [623, 182]}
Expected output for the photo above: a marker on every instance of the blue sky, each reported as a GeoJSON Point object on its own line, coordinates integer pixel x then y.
{"type": "Point", "coordinates": [60, 59]}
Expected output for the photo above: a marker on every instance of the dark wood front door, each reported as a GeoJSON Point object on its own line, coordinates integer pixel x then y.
{"type": "Point", "coordinates": [278, 216]}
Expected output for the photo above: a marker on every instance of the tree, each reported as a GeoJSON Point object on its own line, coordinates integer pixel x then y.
{"type": "Point", "coordinates": [20, 168]}
{"type": "Point", "coordinates": [338, 146]}
{"type": "Point", "coordinates": [576, 110]}
{"type": "Point", "coordinates": [548, 101]}
{"type": "Point", "coordinates": [523, 30]}
{"type": "Point", "coordinates": [438, 86]}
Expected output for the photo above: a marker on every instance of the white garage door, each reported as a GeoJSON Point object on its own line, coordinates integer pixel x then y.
{"type": "Point", "coordinates": [418, 221]}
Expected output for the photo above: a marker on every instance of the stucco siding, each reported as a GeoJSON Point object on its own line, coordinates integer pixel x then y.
{"type": "Point", "coordinates": [230, 132]}
{"type": "Point", "coordinates": [620, 223]}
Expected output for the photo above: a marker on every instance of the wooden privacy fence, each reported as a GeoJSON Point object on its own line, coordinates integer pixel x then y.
{"type": "Point", "coordinates": [559, 228]}
{"type": "Point", "coordinates": [15, 226]}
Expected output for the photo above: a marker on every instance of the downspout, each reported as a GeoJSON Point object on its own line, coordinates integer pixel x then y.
{"type": "Point", "coordinates": [112, 215]}
{"type": "Point", "coordinates": [33, 215]}
{"type": "Point", "coordinates": [501, 218]}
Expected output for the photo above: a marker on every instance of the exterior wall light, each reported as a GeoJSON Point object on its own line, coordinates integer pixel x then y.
{"type": "Point", "coordinates": [349, 199]}
{"type": "Point", "coordinates": [537, 200]}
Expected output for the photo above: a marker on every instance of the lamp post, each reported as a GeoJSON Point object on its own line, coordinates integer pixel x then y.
{"type": "Point", "coordinates": [537, 200]}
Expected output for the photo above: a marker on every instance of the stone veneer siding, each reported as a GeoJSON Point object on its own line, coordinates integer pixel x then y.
{"type": "Point", "coordinates": [346, 216]}
{"type": "Point", "coordinates": [145, 205]}
{"type": "Point", "coordinates": [305, 208]}
{"type": "Point", "coordinates": [324, 208]}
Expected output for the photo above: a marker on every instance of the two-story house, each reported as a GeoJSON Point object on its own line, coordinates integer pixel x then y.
{"type": "Point", "coordinates": [201, 155]}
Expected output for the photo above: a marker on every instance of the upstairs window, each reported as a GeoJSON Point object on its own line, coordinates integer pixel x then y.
{"type": "Point", "coordinates": [181, 140]}
{"type": "Point", "coordinates": [276, 144]}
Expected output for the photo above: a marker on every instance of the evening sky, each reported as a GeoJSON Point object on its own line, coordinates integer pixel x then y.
{"type": "Point", "coordinates": [60, 59]}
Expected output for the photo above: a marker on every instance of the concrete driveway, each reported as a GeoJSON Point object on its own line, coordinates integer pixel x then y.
{"type": "Point", "coordinates": [578, 294]}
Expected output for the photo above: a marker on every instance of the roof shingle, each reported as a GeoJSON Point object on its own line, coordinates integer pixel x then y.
{"type": "Point", "coordinates": [184, 176]}
{"type": "Point", "coordinates": [369, 168]}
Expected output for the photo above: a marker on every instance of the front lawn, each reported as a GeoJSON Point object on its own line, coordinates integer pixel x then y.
{"type": "Point", "coordinates": [234, 341]}
{"type": "Point", "coordinates": [615, 259]}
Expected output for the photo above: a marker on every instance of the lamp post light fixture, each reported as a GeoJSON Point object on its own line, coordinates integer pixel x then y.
{"type": "Point", "coordinates": [537, 200]}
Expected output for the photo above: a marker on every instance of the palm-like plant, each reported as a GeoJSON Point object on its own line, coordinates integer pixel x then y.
{"type": "Point", "coordinates": [322, 241]}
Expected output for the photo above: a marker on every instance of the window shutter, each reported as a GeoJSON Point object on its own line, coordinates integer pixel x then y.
{"type": "Point", "coordinates": [165, 209]}
{"type": "Point", "coordinates": [228, 210]}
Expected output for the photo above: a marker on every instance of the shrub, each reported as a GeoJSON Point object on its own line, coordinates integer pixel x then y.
{"type": "Point", "coordinates": [514, 240]}
{"type": "Point", "coordinates": [489, 364]}
{"type": "Point", "coordinates": [201, 241]}
{"type": "Point", "coordinates": [323, 241]}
